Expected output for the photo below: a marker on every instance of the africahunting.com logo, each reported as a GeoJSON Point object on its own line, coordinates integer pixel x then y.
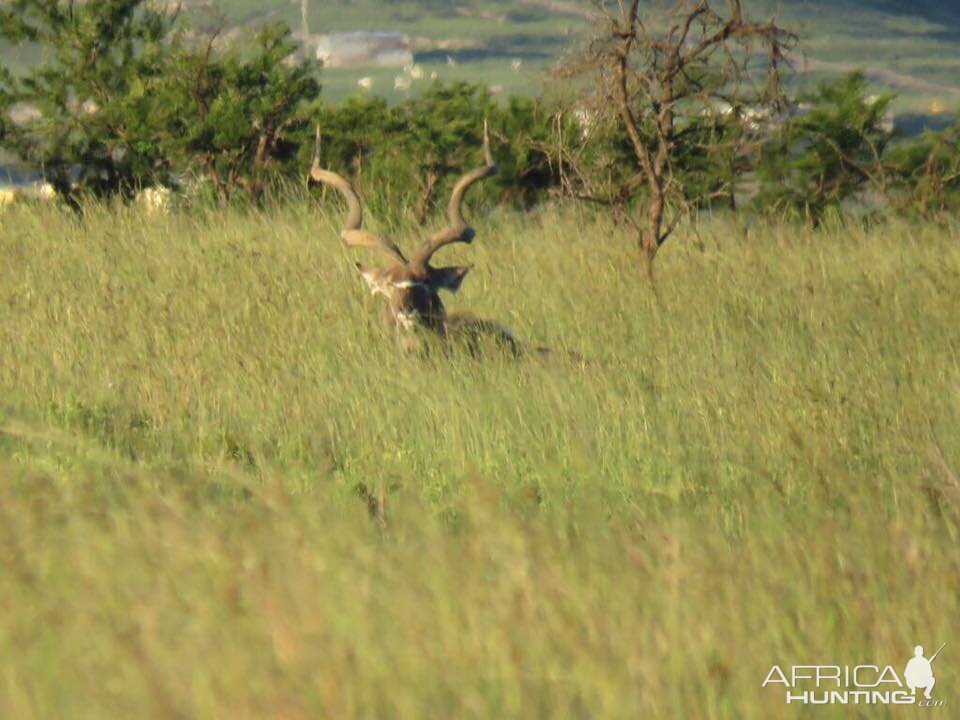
{"type": "Point", "coordinates": [859, 684]}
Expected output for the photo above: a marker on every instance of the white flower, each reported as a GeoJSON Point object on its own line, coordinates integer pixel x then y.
{"type": "Point", "coordinates": [365, 82]}
{"type": "Point", "coordinates": [401, 82]}
{"type": "Point", "coordinates": [516, 65]}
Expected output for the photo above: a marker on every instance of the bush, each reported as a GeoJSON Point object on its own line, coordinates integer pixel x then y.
{"type": "Point", "coordinates": [239, 119]}
{"type": "Point", "coordinates": [86, 114]}
{"type": "Point", "coordinates": [409, 156]}
{"type": "Point", "coordinates": [125, 103]}
{"type": "Point", "coordinates": [821, 158]}
{"type": "Point", "coordinates": [925, 173]}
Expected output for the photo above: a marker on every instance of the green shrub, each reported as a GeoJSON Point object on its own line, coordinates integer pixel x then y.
{"type": "Point", "coordinates": [925, 173]}
{"type": "Point", "coordinates": [238, 119]}
{"type": "Point", "coordinates": [820, 159]}
{"type": "Point", "coordinates": [86, 113]}
{"type": "Point", "coordinates": [407, 157]}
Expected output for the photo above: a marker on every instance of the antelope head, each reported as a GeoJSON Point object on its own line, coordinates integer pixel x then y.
{"type": "Point", "coordinates": [411, 287]}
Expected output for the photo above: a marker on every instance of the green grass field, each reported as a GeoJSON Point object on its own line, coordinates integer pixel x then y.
{"type": "Point", "coordinates": [757, 464]}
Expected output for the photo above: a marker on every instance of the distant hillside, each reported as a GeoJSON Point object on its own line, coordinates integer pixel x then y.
{"type": "Point", "coordinates": [911, 47]}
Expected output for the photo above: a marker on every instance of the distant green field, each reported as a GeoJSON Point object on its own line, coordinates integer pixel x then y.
{"type": "Point", "coordinates": [498, 34]}
{"type": "Point", "coordinates": [914, 51]}
{"type": "Point", "coordinates": [757, 464]}
{"type": "Point", "coordinates": [921, 44]}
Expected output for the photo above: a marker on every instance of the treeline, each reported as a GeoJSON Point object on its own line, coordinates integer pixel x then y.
{"type": "Point", "coordinates": [125, 98]}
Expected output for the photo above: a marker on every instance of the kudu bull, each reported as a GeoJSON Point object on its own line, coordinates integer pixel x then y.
{"type": "Point", "coordinates": [412, 287]}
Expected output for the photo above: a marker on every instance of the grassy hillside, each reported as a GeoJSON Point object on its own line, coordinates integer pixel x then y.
{"type": "Point", "coordinates": [758, 464]}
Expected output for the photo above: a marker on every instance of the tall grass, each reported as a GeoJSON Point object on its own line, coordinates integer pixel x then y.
{"type": "Point", "coordinates": [200, 416]}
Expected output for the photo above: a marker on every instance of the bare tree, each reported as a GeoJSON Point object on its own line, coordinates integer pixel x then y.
{"type": "Point", "coordinates": [660, 73]}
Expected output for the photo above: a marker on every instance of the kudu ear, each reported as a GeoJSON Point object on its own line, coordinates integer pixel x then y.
{"type": "Point", "coordinates": [448, 278]}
